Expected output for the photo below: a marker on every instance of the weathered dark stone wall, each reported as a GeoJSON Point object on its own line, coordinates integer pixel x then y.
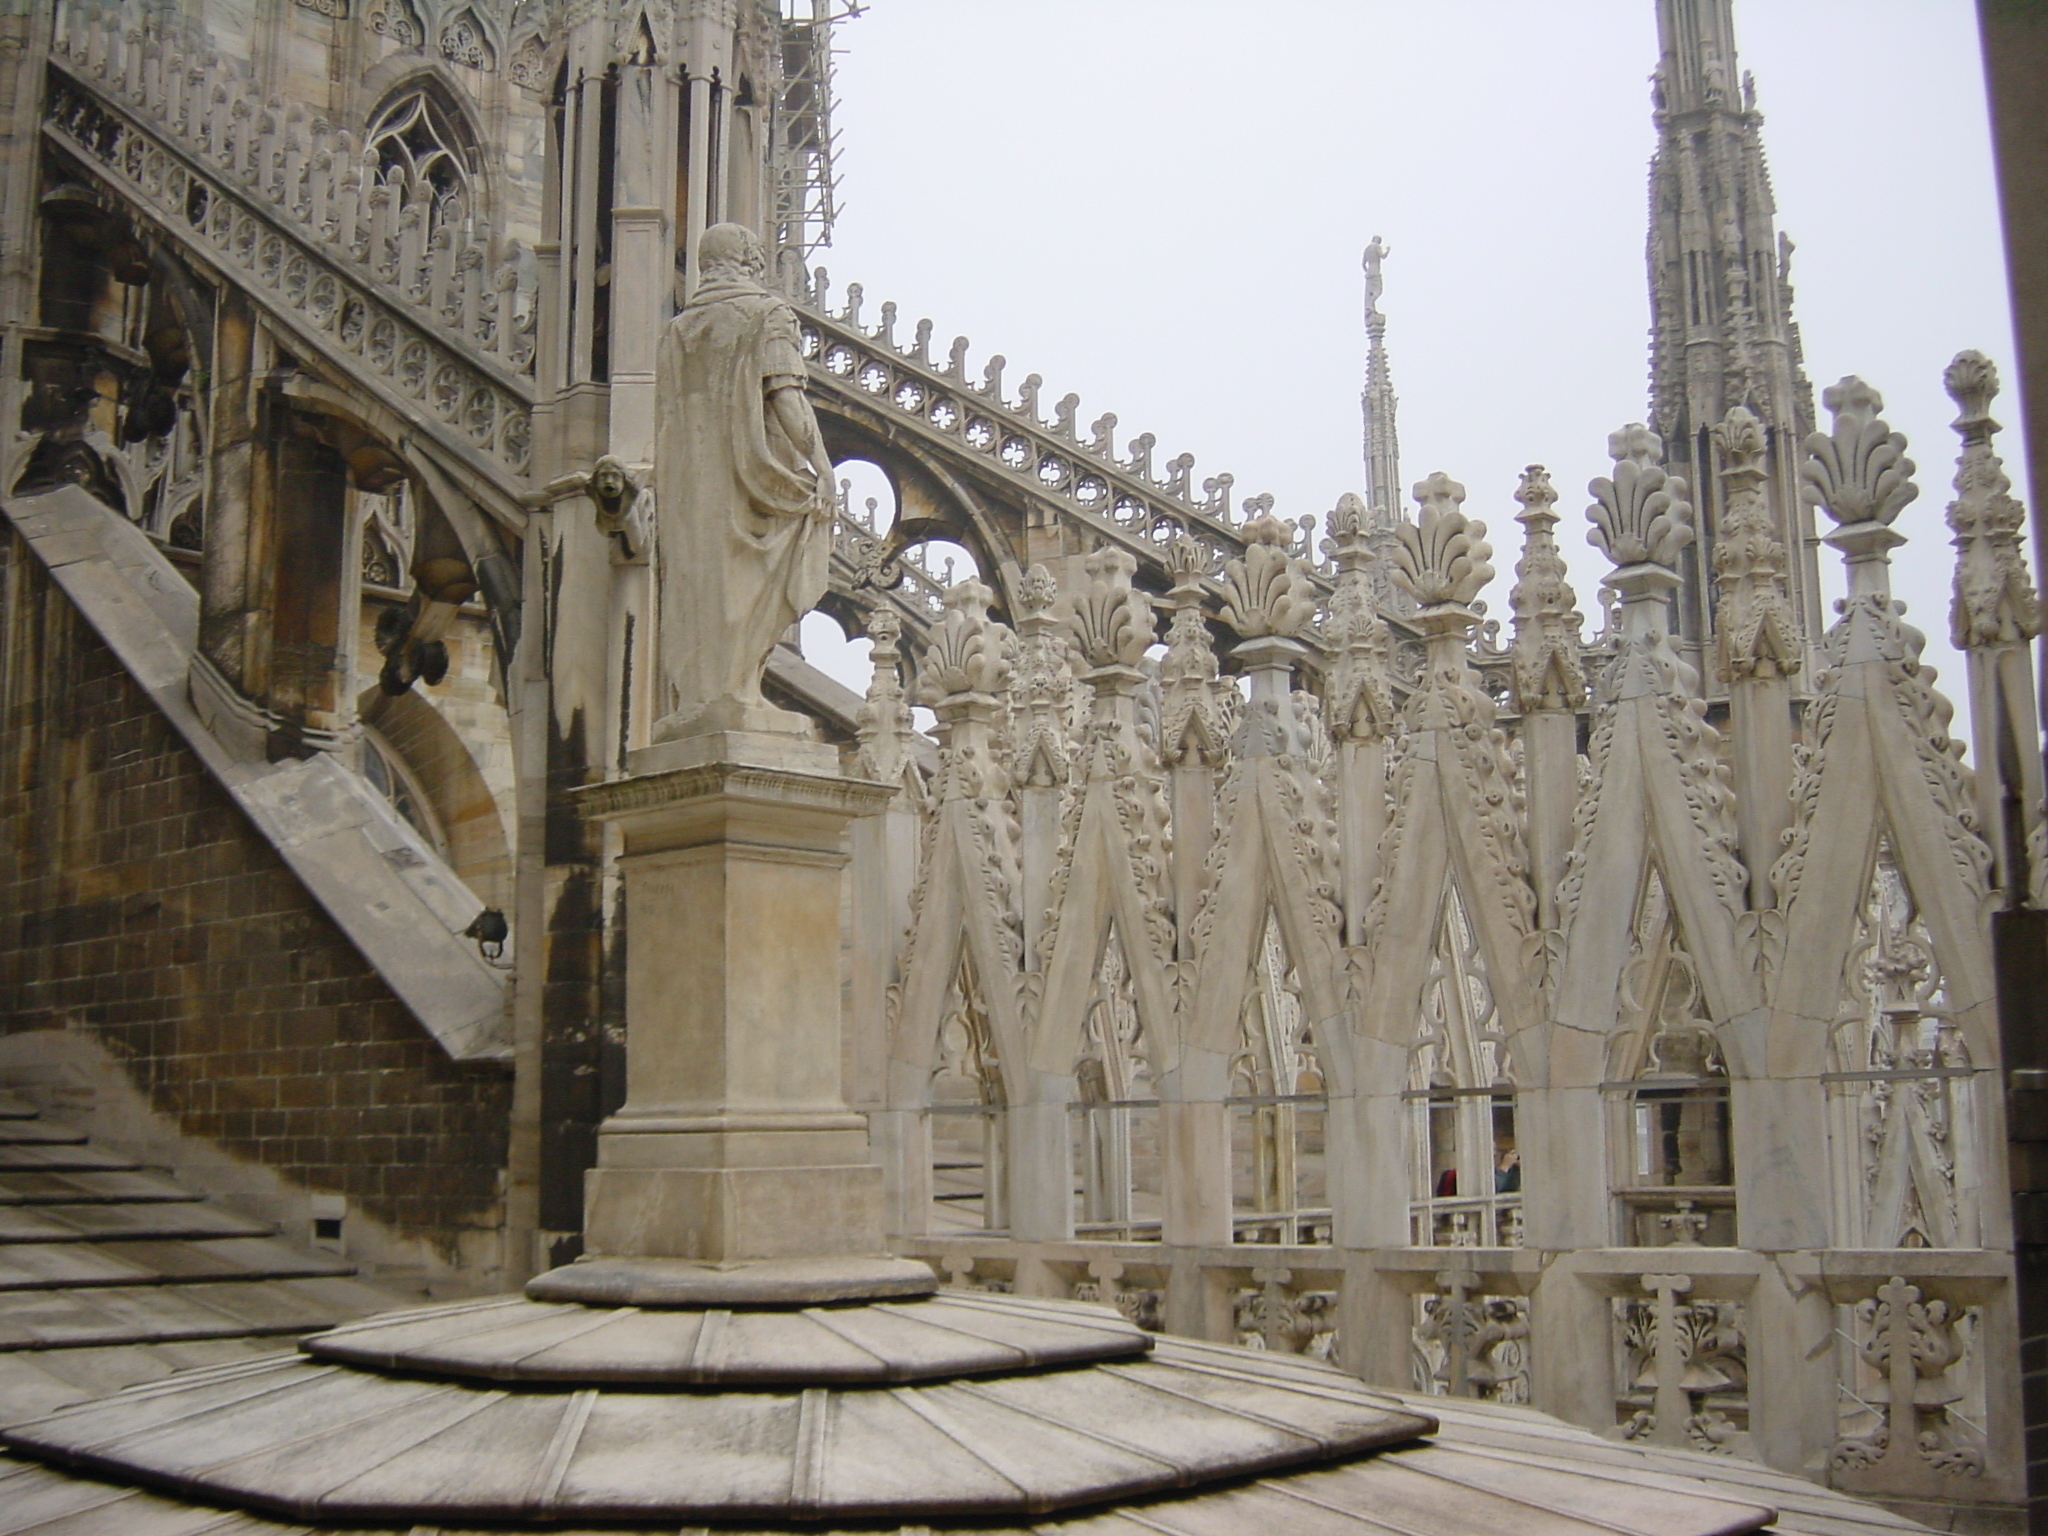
{"type": "Point", "coordinates": [137, 902]}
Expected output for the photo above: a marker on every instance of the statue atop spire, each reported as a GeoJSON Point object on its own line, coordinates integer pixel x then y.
{"type": "Point", "coordinates": [1382, 447]}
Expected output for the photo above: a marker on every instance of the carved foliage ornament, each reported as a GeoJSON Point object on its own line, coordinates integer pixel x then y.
{"type": "Point", "coordinates": [1111, 622]}
{"type": "Point", "coordinates": [1994, 602]}
{"type": "Point", "coordinates": [1640, 515]}
{"type": "Point", "coordinates": [1197, 711]}
{"type": "Point", "coordinates": [1756, 632]}
{"type": "Point", "coordinates": [1546, 669]}
{"type": "Point", "coordinates": [1859, 473]}
{"type": "Point", "coordinates": [1268, 591]}
{"type": "Point", "coordinates": [1442, 556]}
{"type": "Point", "coordinates": [967, 653]}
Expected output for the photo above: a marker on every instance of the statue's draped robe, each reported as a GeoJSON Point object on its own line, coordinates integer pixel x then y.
{"type": "Point", "coordinates": [744, 531]}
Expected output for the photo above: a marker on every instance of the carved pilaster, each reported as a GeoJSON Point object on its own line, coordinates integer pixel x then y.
{"type": "Point", "coordinates": [1359, 705]}
{"type": "Point", "coordinates": [1995, 612]}
{"type": "Point", "coordinates": [1758, 649]}
{"type": "Point", "coordinates": [1197, 713]}
{"type": "Point", "coordinates": [1040, 697]}
{"type": "Point", "coordinates": [1549, 688]}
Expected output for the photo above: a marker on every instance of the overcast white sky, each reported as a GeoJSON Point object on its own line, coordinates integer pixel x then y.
{"type": "Point", "coordinates": [1160, 204]}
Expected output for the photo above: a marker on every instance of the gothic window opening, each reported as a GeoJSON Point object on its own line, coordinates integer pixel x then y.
{"type": "Point", "coordinates": [387, 526]}
{"type": "Point", "coordinates": [391, 778]}
{"type": "Point", "coordinates": [1117, 1150]}
{"type": "Point", "coordinates": [965, 1117]}
{"type": "Point", "coordinates": [428, 157]}
{"type": "Point", "coordinates": [1672, 1137]}
{"type": "Point", "coordinates": [1901, 1097]}
{"type": "Point", "coordinates": [1465, 1169]}
{"type": "Point", "coordinates": [1278, 1109]}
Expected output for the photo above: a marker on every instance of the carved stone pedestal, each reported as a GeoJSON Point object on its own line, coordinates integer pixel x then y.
{"type": "Point", "coordinates": [735, 1142]}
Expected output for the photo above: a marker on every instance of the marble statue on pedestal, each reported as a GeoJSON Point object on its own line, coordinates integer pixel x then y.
{"type": "Point", "coordinates": [744, 487]}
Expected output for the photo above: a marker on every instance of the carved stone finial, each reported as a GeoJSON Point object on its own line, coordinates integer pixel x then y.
{"type": "Point", "coordinates": [1859, 473]}
{"type": "Point", "coordinates": [1184, 560]}
{"type": "Point", "coordinates": [1111, 622]}
{"type": "Point", "coordinates": [1442, 556]}
{"type": "Point", "coordinates": [1358, 701]}
{"type": "Point", "coordinates": [883, 720]}
{"type": "Point", "coordinates": [1756, 635]}
{"type": "Point", "coordinates": [1546, 672]}
{"type": "Point", "coordinates": [1195, 706]}
{"type": "Point", "coordinates": [1972, 382]}
{"type": "Point", "coordinates": [1348, 522]}
{"type": "Point", "coordinates": [1994, 601]}
{"type": "Point", "coordinates": [1537, 496]}
{"type": "Point", "coordinates": [1040, 684]}
{"type": "Point", "coordinates": [1268, 590]}
{"type": "Point", "coordinates": [1064, 412]}
{"type": "Point", "coordinates": [967, 653]}
{"type": "Point", "coordinates": [1640, 515]}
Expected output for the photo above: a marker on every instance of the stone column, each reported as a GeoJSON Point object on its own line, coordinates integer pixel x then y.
{"type": "Point", "coordinates": [643, 270]}
{"type": "Point", "coordinates": [237, 462]}
{"type": "Point", "coordinates": [735, 1142]}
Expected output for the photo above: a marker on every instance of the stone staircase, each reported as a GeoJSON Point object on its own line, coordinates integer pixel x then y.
{"type": "Point", "coordinates": [432, 318]}
{"type": "Point", "coordinates": [112, 1275]}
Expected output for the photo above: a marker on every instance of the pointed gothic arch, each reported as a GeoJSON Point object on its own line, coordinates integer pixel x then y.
{"type": "Point", "coordinates": [1465, 1172]}
{"type": "Point", "coordinates": [1902, 1104]}
{"type": "Point", "coordinates": [425, 138]}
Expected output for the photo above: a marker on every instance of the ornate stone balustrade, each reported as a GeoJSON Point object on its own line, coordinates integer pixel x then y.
{"type": "Point", "coordinates": [1685, 1105]}
{"type": "Point", "coordinates": [1120, 499]}
{"type": "Point", "coordinates": [1693, 1347]}
{"type": "Point", "coordinates": [379, 284]}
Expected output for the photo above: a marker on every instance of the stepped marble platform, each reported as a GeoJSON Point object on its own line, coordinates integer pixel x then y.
{"type": "Point", "coordinates": [935, 1411]}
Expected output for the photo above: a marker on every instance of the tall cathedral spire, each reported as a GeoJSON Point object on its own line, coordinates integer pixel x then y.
{"type": "Point", "coordinates": [1721, 333]}
{"type": "Point", "coordinates": [1382, 446]}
